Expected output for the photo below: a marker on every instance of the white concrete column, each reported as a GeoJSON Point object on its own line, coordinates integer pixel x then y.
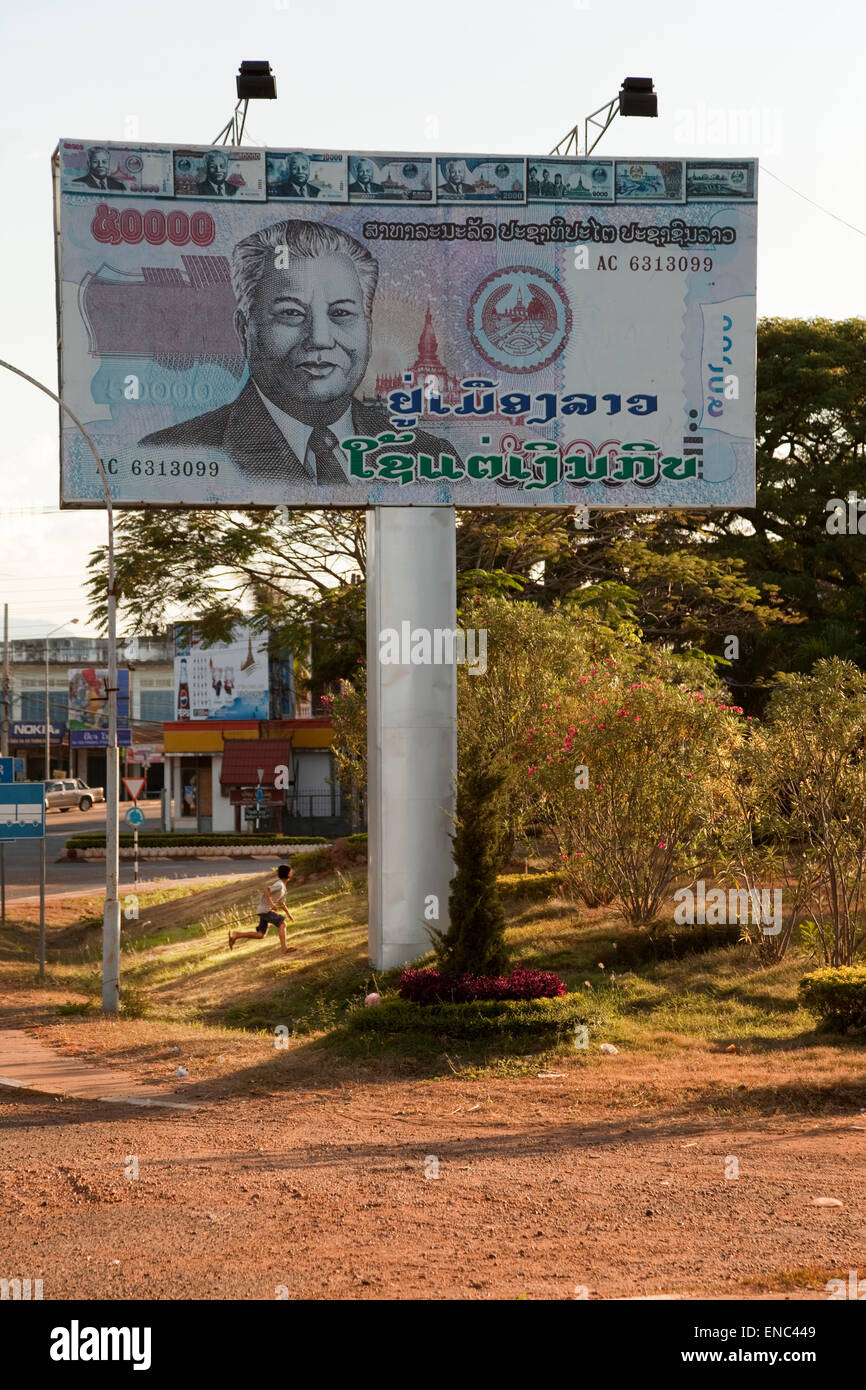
{"type": "Point", "coordinates": [411, 730]}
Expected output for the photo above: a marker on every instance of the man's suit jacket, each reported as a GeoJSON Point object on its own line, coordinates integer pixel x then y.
{"type": "Point", "coordinates": [355, 187]}
{"type": "Point", "coordinates": [229, 189]}
{"type": "Point", "coordinates": [289, 189]}
{"type": "Point", "coordinates": [93, 182]}
{"type": "Point", "coordinates": [245, 431]}
{"type": "Point", "coordinates": [456, 190]}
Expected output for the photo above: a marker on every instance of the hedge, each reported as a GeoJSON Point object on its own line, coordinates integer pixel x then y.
{"type": "Point", "coordinates": [158, 840]}
{"type": "Point", "coordinates": [837, 995]}
{"type": "Point", "coordinates": [546, 1018]}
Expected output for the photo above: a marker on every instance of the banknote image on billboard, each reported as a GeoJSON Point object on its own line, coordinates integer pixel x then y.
{"type": "Point", "coordinates": [294, 176]}
{"type": "Point", "coordinates": [390, 179]}
{"type": "Point", "coordinates": [228, 680]}
{"type": "Point", "coordinates": [570, 180]}
{"type": "Point", "coordinates": [219, 173]}
{"type": "Point", "coordinates": [224, 352]}
{"type": "Point", "coordinates": [88, 708]}
{"type": "Point", "coordinates": [650, 181]}
{"type": "Point", "coordinates": [146, 170]}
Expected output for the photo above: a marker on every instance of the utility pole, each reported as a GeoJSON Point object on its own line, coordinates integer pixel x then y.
{"type": "Point", "coordinates": [7, 686]}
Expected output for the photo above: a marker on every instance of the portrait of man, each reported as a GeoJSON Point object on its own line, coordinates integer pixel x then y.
{"type": "Point", "coordinates": [546, 185]}
{"type": "Point", "coordinates": [364, 180]}
{"type": "Point", "coordinates": [296, 184]}
{"type": "Point", "coordinates": [455, 179]}
{"type": "Point", "coordinates": [214, 185]}
{"type": "Point", "coordinates": [533, 186]}
{"type": "Point", "coordinates": [304, 293]}
{"type": "Point", "coordinates": [97, 176]}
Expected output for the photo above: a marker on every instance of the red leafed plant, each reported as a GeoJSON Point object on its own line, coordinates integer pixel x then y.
{"type": "Point", "coordinates": [432, 987]}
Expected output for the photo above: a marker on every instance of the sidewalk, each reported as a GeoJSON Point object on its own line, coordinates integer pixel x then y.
{"type": "Point", "coordinates": [27, 1063]}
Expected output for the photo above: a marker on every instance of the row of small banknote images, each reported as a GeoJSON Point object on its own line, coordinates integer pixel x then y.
{"type": "Point", "coordinates": [295, 175]}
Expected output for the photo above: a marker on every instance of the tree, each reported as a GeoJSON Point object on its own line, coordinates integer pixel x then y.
{"type": "Point", "coordinates": [475, 940]}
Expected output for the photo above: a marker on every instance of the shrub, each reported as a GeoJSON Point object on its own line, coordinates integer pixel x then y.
{"type": "Point", "coordinates": [490, 1020]}
{"type": "Point", "coordinates": [158, 839]}
{"type": "Point", "coordinates": [658, 759]}
{"type": "Point", "coordinates": [837, 996]}
{"type": "Point", "coordinates": [433, 987]}
{"type": "Point", "coordinates": [312, 861]}
{"type": "Point", "coordinates": [475, 939]}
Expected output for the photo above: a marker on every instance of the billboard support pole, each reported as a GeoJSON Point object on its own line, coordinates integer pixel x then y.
{"type": "Point", "coordinates": [42, 908]}
{"type": "Point", "coordinates": [411, 730]}
{"type": "Point", "coordinates": [111, 913]}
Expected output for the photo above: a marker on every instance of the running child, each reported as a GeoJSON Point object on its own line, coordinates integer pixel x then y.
{"type": "Point", "coordinates": [272, 898]}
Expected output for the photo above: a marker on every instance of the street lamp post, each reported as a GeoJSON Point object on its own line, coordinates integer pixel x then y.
{"type": "Point", "coordinates": [47, 703]}
{"type": "Point", "coordinates": [111, 912]}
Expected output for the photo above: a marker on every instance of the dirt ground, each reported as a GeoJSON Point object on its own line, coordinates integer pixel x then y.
{"type": "Point", "coordinates": [302, 1177]}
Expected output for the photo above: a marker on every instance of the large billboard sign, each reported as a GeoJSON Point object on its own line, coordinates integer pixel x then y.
{"type": "Point", "coordinates": [228, 680]}
{"type": "Point", "coordinates": [88, 708]}
{"type": "Point", "coordinates": [317, 328]}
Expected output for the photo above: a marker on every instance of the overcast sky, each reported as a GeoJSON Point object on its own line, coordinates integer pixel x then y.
{"type": "Point", "coordinates": [780, 81]}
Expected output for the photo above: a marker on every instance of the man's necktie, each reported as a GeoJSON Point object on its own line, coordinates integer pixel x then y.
{"type": "Point", "coordinates": [322, 445]}
{"type": "Point", "coordinates": [102, 183]}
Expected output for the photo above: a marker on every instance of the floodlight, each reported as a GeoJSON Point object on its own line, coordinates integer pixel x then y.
{"type": "Point", "coordinates": [256, 82]}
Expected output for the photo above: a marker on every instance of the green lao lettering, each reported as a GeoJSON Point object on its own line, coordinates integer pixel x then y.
{"type": "Point", "coordinates": [449, 469]}
{"type": "Point", "coordinates": [484, 466]}
{"type": "Point", "coordinates": [397, 468]}
{"type": "Point", "coordinates": [356, 449]}
{"type": "Point", "coordinates": [544, 460]}
{"type": "Point", "coordinates": [679, 470]}
{"type": "Point", "coordinates": [636, 462]}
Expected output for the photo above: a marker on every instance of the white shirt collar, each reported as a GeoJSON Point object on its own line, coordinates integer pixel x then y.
{"type": "Point", "coordinates": [297, 434]}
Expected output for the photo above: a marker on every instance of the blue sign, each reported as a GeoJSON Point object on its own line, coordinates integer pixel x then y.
{"type": "Point", "coordinates": [7, 769]}
{"type": "Point", "coordinates": [33, 731]}
{"type": "Point", "coordinates": [260, 795]}
{"type": "Point", "coordinates": [98, 738]}
{"type": "Point", "coordinates": [135, 816]}
{"type": "Point", "coordinates": [22, 811]}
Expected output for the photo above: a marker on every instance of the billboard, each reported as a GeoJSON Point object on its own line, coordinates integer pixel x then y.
{"type": "Point", "coordinates": [228, 680]}
{"type": "Point", "coordinates": [88, 708]}
{"type": "Point", "coordinates": [317, 328]}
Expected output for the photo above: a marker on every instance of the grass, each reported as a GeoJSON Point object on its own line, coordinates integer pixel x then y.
{"type": "Point", "coordinates": [639, 990]}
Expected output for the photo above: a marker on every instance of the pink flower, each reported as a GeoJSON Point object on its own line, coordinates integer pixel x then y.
{"type": "Point", "coordinates": [663, 844]}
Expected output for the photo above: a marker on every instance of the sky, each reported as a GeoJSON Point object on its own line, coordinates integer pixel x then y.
{"type": "Point", "coordinates": [780, 82]}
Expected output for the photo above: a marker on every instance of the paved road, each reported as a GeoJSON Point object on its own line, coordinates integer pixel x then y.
{"type": "Point", "coordinates": [62, 876]}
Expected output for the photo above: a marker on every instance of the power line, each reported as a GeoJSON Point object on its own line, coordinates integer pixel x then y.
{"type": "Point", "coordinates": [819, 206]}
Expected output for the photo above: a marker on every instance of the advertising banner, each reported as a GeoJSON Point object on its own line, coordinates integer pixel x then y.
{"type": "Point", "coordinates": [88, 708]}
{"type": "Point", "coordinates": [312, 328]}
{"type": "Point", "coordinates": [228, 680]}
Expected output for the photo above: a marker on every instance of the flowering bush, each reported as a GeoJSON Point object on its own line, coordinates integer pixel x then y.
{"type": "Point", "coordinates": [432, 987]}
{"type": "Point", "coordinates": [658, 762]}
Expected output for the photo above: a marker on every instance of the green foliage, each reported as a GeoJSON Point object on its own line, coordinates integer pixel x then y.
{"type": "Point", "coordinates": [156, 840]}
{"type": "Point", "coordinates": [803, 787]}
{"type": "Point", "coordinates": [548, 1019]}
{"type": "Point", "coordinates": [836, 996]}
{"type": "Point", "coordinates": [313, 861]}
{"type": "Point", "coordinates": [475, 940]}
{"type": "Point", "coordinates": [658, 759]}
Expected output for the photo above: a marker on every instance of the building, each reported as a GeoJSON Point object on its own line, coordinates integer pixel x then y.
{"type": "Point", "coordinates": [256, 775]}
{"type": "Point", "coordinates": [210, 766]}
{"type": "Point", "coordinates": [149, 661]}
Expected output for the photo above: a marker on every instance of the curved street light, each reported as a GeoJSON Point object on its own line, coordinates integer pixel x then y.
{"type": "Point", "coordinates": [111, 913]}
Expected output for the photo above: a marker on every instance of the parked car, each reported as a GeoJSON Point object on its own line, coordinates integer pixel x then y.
{"type": "Point", "coordinates": [62, 796]}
